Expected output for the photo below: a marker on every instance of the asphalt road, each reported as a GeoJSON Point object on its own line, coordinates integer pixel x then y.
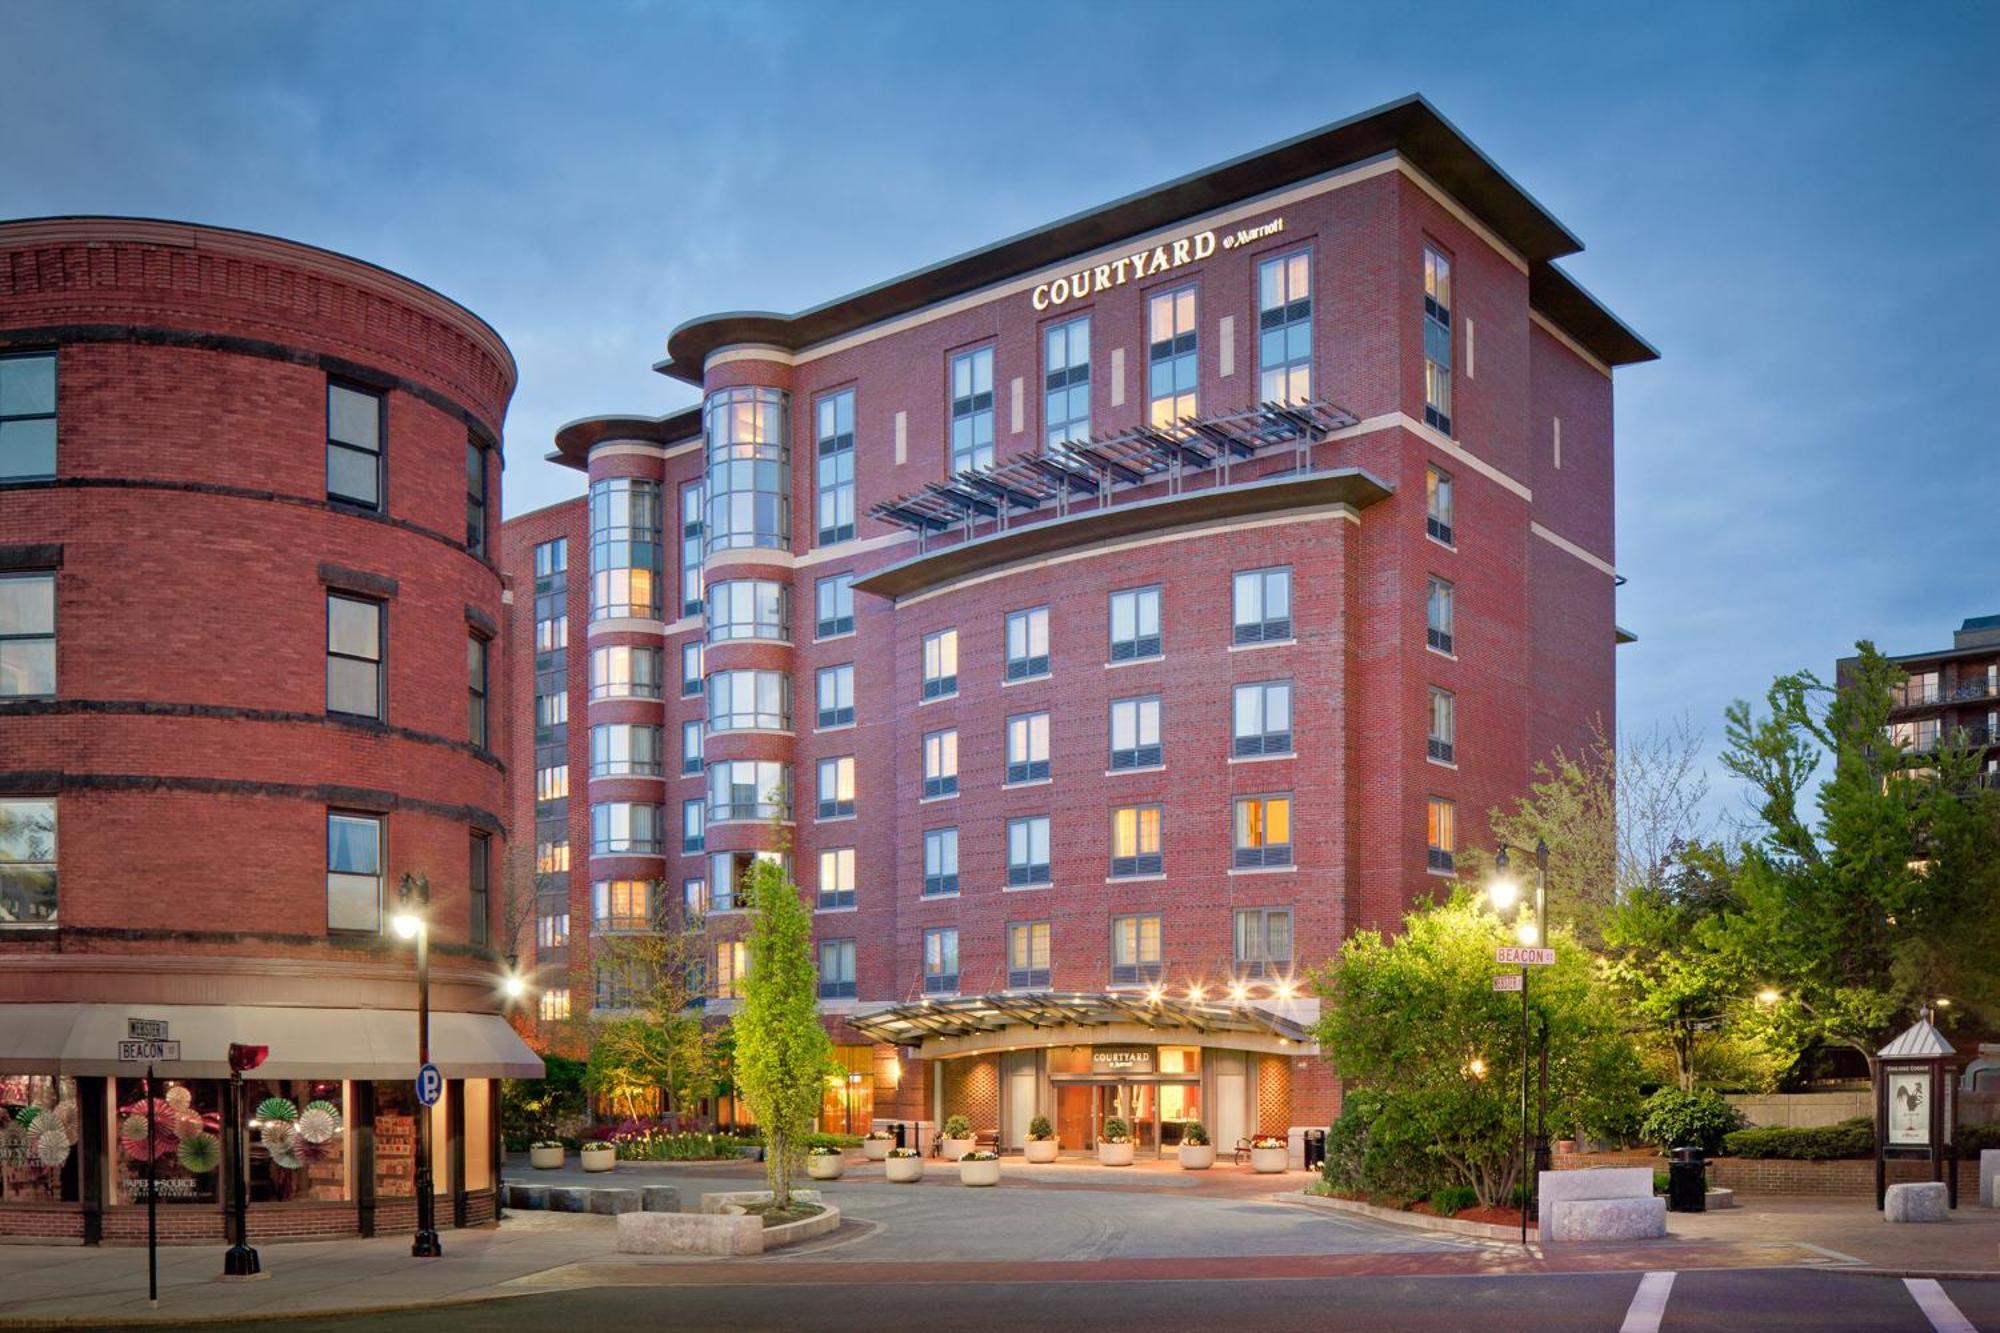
{"type": "Point", "coordinates": [1770, 1299]}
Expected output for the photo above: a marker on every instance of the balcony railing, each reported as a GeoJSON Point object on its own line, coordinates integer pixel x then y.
{"type": "Point", "coordinates": [1915, 694]}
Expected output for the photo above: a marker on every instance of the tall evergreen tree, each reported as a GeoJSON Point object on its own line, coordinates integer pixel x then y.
{"type": "Point", "coordinates": [782, 1054]}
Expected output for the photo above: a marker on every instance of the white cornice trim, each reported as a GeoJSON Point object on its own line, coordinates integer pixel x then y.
{"type": "Point", "coordinates": [1548, 326]}
{"type": "Point", "coordinates": [1561, 543]}
{"type": "Point", "coordinates": [1452, 206]}
{"type": "Point", "coordinates": [624, 625]}
{"type": "Point", "coordinates": [848, 550]}
{"type": "Point", "coordinates": [722, 356]}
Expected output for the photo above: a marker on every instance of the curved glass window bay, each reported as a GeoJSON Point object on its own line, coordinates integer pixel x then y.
{"type": "Point", "coordinates": [749, 483]}
{"type": "Point", "coordinates": [624, 750]}
{"type": "Point", "coordinates": [626, 556]}
{"type": "Point", "coordinates": [749, 609]}
{"type": "Point", "coordinates": [624, 828]}
{"type": "Point", "coordinates": [749, 789]}
{"type": "Point", "coordinates": [622, 672]}
{"type": "Point", "coordinates": [749, 701]}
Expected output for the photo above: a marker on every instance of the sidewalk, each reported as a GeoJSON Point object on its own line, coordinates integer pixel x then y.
{"type": "Point", "coordinates": [1967, 1243]}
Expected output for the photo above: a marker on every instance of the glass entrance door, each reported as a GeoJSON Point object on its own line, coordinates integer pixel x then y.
{"type": "Point", "coordinates": [1138, 1105]}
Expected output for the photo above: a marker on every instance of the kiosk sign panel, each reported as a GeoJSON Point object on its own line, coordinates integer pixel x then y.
{"type": "Point", "coordinates": [1909, 1107]}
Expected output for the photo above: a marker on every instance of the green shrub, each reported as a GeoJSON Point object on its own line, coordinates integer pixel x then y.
{"type": "Point", "coordinates": [1039, 1129]}
{"type": "Point", "coordinates": [1972, 1138]}
{"type": "Point", "coordinates": [1369, 1152]}
{"type": "Point", "coordinates": [1661, 1180]}
{"type": "Point", "coordinates": [1675, 1119]}
{"type": "Point", "coordinates": [550, 1107]}
{"type": "Point", "coordinates": [1195, 1134]}
{"type": "Point", "coordinates": [1818, 1143]}
{"type": "Point", "coordinates": [1117, 1131]}
{"type": "Point", "coordinates": [957, 1127]}
{"type": "Point", "coordinates": [1453, 1199]}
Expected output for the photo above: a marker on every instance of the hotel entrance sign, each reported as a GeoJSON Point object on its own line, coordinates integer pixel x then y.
{"type": "Point", "coordinates": [1121, 1060]}
{"type": "Point", "coordinates": [1145, 263]}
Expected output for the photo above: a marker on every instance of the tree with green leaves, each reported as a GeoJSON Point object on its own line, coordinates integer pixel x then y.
{"type": "Point", "coordinates": [664, 1044]}
{"type": "Point", "coordinates": [782, 1053]}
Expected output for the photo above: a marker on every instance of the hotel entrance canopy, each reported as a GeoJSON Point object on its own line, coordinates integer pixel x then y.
{"type": "Point", "coordinates": [1022, 1015]}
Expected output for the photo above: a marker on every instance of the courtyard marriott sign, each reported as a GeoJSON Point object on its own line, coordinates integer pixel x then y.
{"type": "Point", "coordinates": [1162, 258]}
{"type": "Point", "coordinates": [1121, 1060]}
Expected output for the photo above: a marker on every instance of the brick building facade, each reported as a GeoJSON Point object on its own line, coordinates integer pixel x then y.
{"type": "Point", "coordinates": [248, 490]}
{"type": "Point", "coordinates": [1115, 618]}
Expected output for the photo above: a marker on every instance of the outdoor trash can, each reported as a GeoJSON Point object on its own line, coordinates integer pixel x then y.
{"type": "Point", "coordinates": [1315, 1140]}
{"type": "Point", "coordinates": [1687, 1181]}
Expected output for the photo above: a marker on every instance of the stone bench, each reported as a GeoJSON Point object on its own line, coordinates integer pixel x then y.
{"type": "Point", "coordinates": [660, 1199]}
{"type": "Point", "coordinates": [569, 1199]}
{"type": "Point", "coordinates": [1989, 1177]}
{"type": "Point", "coordinates": [1928, 1201]}
{"type": "Point", "coordinates": [690, 1233]}
{"type": "Point", "coordinates": [527, 1197]}
{"type": "Point", "coordinates": [1601, 1203]}
{"type": "Point", "coordinates": [614, 1201]}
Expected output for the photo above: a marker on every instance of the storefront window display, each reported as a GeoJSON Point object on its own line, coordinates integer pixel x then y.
{"type": "Point", "coordinates": [298, 1140]}
{"type": "Point", "coordinates": [38, 1138]}
{"type": "Point", "coordinates": [183, 1140]}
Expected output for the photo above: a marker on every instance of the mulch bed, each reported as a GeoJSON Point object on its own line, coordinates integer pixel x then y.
{"type": "Point", "coordinates": [776, 1217]}
{"type": "Point", "coordinates": [1502, 1217]}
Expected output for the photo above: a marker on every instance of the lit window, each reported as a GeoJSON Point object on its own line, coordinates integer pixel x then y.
{"type": "Point", "coordinates": [836, 467]}
{"type": "Point", "coordinates": [28, 416]}
{"type": "Point", "coordinates": [941, 664]}
{"type": "Point", "coordinates": [694, 898]}
{"type": "Point", "coordinates": [1135, 950]}
{"type": "Point", "coordinates": [1027, 955]}
{"type": "Point", "coordinates": [624, 828]}
{"type": "Point", "coordinates": [354, 656]}
{"type": "Point", "coordinates": [1284, 329]}
{"type": "Point", "coordinates": [836, 969]}
{"type": "Point", "coordinates": [625, 550]}
{"type": "Point", "coordinates": [1066, 382]}
{"type": "Point", "coordinates": [27, 635]}
{"type": "Point", "coordinates": [1439, 816]}
{"type": "Point", "coordinates": [940, 862]}
{"type": "Point", "coordinates": [940, 961]}
{"type": "Point", "coordinates": [554, 1005]}
{"type": "Point", "coordinates": [624, 673]}
{"type": "Point", "coordinates": [1438, 616]}
{"type": "Point", "coordinates": [1263, 941]}
{"type": "Point", "coordinates": [941, 764]}
{"type": "Point", "coordinates": [1263, 831]}
{"type": "Point", "coordinates": [624, 749]}
{"type": "Point", "coordinates": [1437, 504]}
{"type": "Point", "coordinates": [353, 445]}
{"type": "Point", "coordinates": [749, 701]}
{"type": "Point", "coordinates": [1028, 747]}
{"type": "Point", "coordinates": [552, 783]}
{"type": "Point", "coordinates": [1263, 605]}
{"type": "Point", "coordinates": [836, 787]}
{"type": "Point", "coordinates": [749, 789]}
{"type": "Point", "coordinates": [1437, 340]}
{"type": "Point", "coordinates": [353, 871]}
{"type": "Point", "coordinates": [1262, 719]}
{"type": "Point", "coordinates": [28, 865]}
{"type": "Point", "coordinates": [836, 695]}
{"type": "Point", "coordinates": [732, 964]}
{"type": "Point", "coordinates": [1135, 733]}
{"type": "Point", "coordinates": [1173, 364]}
{"type": "Point", "coordinates": [836, 877]}
{"type": "Point", "coordinates": [1028, 644]}
{"type": "Point", "coordinates": [749, 486]}
{"type": "Point", "coordinates": [1028, 851]}
{"type": "Point", "coordinates": [1442, 745]}
{"type": "Point", "coordinates": [1135, 840]}
{"type": "Point", "coordinates": [552, 925]}
{"type": "Point", "coordinates": [835, 599]}
{"type": "Point", "coordinates": [749, 609]}
{"type": "Point", "coordinates": [622, 905]}
{"type": "Point", "coordinates": [972, 410]}
{"type": "Point", "coordinates": [1135, 624]}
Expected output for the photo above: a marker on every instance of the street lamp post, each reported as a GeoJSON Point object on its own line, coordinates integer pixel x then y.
{"type": "Point", "coordinates": [412, 922]}
{"type": "Point", "coordinates": [1504, 892]}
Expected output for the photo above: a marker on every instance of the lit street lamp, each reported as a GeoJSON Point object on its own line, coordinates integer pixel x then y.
{"type": "Point", "coordinates": [412, 922]}
{"type": "Point", "coordinates": [1504, 892]}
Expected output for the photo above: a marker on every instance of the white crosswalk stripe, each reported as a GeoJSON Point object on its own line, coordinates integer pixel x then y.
{"type": "Point", "coordinates": [1937, 1306]}
{"type": "Point", "coordinates": [1649, 1304]}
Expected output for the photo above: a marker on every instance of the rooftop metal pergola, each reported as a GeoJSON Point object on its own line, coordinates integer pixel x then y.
{"type": "Point", "coordinates": [970, 1015]}
{"type": "Point", "coordinates": [1095, 468]}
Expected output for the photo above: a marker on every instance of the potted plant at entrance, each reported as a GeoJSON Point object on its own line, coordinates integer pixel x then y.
{"type": "Point", "coordinates": [957, 1138]}
{"type": "Point", "coordinates": [599, 1156]}
{"type": "Point", "coordinates": [824, 1162]}
{"type": "Point", "coordinates": [1114, 1145]}
{"type": "Point", "coordinates": [545, 1154]}
{"type": "Point", "coordinates": [903, 1166]}
{"type": "Point", "coordinates": [1268, 1155]}
{"type": "Point", "coordinates": [1040, 1145]}
{"type": "Point", "coordinates": [1196, 1152]}
{"type": "Point", "coordinates": [875, 1147]}
{"type": "Point", "coordinates": [979, 1168]}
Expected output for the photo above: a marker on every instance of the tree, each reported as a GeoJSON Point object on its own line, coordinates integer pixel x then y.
{"type": "Point", "coordinates": [1416, 1021]}
{"type": "Point", "coordinates": [665, 1043]}
{"type": "Point", "coordinates": [781, 1052]}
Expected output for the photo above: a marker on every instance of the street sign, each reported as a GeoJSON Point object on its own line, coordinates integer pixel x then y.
{"type": "Point", "coordinates": [146, 1029]}
{"type": "Point", "coordinates": [1508, 981]}
{"type": "Point", "coordinates": [430, 1085]}
{"type": "Point", "coordinates": [148, 1052]}
{"type": "Point", "coordinates": [1507, 953]}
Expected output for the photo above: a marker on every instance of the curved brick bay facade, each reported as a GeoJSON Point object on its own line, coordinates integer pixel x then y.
{"type": "Point", "coordinates": [1116, 618]}
{"type": "Point", "coordinates": [245, 590]}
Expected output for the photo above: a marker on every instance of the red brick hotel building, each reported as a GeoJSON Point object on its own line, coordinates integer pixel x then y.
{"type": "Point", "coordinates": [1113, 618]}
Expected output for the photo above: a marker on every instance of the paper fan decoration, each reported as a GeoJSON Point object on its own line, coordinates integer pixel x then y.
{"type": "Point", "coordinates": [182, 1124]}
{"type": "Point", "coordinates": [277, 1109]}
{"type": "Point", "coordinates": [200, 1153]}
{"type": "Point", "coordinates": [51, 1143]}
{"type": "Point", "coordinates": [179, 1097]}
{"type": "Point", "coordinates": [132, 1128]}
{"type": "Point", "coordinates": [281, 1140]}
{"type": "Point", "coordinates": [26, 1115]}
{"type": "Point", "coordinates": [318, 1123]}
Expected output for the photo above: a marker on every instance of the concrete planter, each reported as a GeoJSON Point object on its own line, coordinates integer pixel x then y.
{"type": "Point", "coordinates": [599, 1159]}
{"type": "Point", "coordinates": [903, 1170]}
{"type": "Point", "coordinates": [1040, 1150]}
{"type": "Point", "coordinates": [1196, 1156]}
{"type": "Point", "coordinates": [1267, 1161]}
{"type": "Point", "coordinates": [825, 1166]}
{"type": "Point", "coordinates": [1115, 1154]}
{"type": "Point", "coordinates": [979, 1173]}
{"type": "Point", "coordinates": [546, 1159]}
{"type": "Point", "coordinates": [876, 1150]}
{"type": "Point", "coordinates": [957, 1148]}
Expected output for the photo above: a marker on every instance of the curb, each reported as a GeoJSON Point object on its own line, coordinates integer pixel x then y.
{"type": "Point", "coordinates": [166, 1319]}
{"type": "Point", "coordinates": [1936, 1274]}
{"type": "Point", "coordinates": [1414, 1221]}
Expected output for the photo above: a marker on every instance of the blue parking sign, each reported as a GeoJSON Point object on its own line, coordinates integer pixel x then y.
{"type": "Point", "coordinates": [430, 1085]}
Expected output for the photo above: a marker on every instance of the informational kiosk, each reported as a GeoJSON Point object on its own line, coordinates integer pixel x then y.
{"type": "Point", "coordinates": [1915, 1113]}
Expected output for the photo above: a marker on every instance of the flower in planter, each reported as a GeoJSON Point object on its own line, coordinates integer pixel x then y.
{"type": "Point", "coordinates": [1267, 1141]}
{"type": "Point", "coordinates": [1039, 1129]}
{"type": "Point", "coordinates": [980, 1155]}
{"type": "Point", "coordinates": [822, 1150]}
{"type": "Point", "coordinates": [546, 1143]}
{"type": "Point", "coordinates": [903, 1152]}
{"type": "Point", "coordinates": [1116, 1131]}
{"type": "Point", "coordinates": [599, 1145]}
{"type": "Point", "coordinates": [1194, 1134]}
{"type": "Point", "coordinates": [957, 1127]}
{"type": "Point", "coordinates": [880, 1135]}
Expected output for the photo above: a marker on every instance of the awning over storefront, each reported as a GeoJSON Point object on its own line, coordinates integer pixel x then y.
{"type": "Point", "coordinates": [1057, 1011]}
{"type": "Point", "coordinates": [381, 1044]}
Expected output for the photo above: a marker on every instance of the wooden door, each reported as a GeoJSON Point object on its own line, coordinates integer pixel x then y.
{"type": "Point", "coordinates": [1073, 1116]}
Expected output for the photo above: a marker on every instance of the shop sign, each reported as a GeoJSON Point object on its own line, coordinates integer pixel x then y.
{"type": "Point", "coordinates": [175, 1187]}
{"type": "Point", "coordinates": [1121, 1059]}
{"type": "Point", "coordinates": [1162, 258]}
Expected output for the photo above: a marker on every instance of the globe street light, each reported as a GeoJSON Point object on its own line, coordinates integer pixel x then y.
{"type": "Point", "coordinates": [1504, 892]}
{"type": "Point", "coordinates": [411, 922]}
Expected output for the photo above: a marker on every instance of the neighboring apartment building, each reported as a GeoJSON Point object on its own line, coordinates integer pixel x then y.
{"type": "Point", "coordinates": [1113, 619]}
{"type": "Point", "coordinates": [249, 625]}
{"type": "Point", "coordinates": [1951, 695]}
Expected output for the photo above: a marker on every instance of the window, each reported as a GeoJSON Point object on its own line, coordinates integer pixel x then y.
{"type": "Point", "coordinates": [691, 506]}
{"type": "Point", "coordinates": [941, 664]}
{"type": "Point", "coordinates": [353, 656]}
{"type": "Point", "coordinates": [836, 695]}
{"type": "Point", "coordinates": [1135, 624]}
{"type": "Point", "coordinates": [1438, 616]}
{"type": "Point", "coordinates": [551, 557]}
{"type": "Point", "coordinates": [729, 877]}
{"type": "Point", "coordinates": [749, 701]}
{"type": "Point", "coordinates": [694, 897]}
{"type": "Point", "coordinates": [624, 673]}
{"type": "Point", "coordinates": [1135, 840]}
{"type": "Point", "coordinates": [941, 764]}
{"type": "Point", "coordinates": [749, 789]}
{"type": "Point", "coordinates": [552, 783]}
{"type": "Point", "coordinates": [1437, 340]}
{"type": "Point", "coordinates": [1263, 605]}
{"type": "Point", "coordinates": [836, 787]}
{"type": "Point", "coordinates": [1284, 329]}
{"type": "Point", "coordinates": [551, 849]}
{"type": "Point", "coordinates": [749, 609]}
{"type": "Point", "coordinates": [1437, 504]}
{"type": "Point", "coordinates": [621, 983]}
{"type": "Point", "coordinates": [624, 828]}
{"type": "Point", "coordinates": [690, 668]}
{"type": "Point", "coordinates": [732, 963]}
{"type": "Point", "coordinates": [353, 871]}
{"type": "Point", "coordinates": [1263, 719]}
{"type": "Point", "coordinates": [478, 884]}
{"type": "Point", "coordinates": [940, 961]}
{"type": "Point", "coordinates": [836, 467]}
{"type": "Point", "coordinates": [551, 714]}
{"type": "Point", "coordinates": [749, 486]}
{"type": "Point", "coordinates": [1922, 687]}
{"type": "Point", "coordinates": [28, 635]}
{"type": "Point", "coordinates": [551, 620]}
{"type": "Point", "coordinates": [1066, 382]}
{"type": "Point", "coordinates": [694, 824]}
{"type": "Point", "coordinates": [475, 688]}
{"type": "Point", "coordinates": [475, 498]}
{"type": "Point", "coordinates": [836, 877]}
{"type": "Point", "coordinates": [940, 862]}
{"type": "Point", "coordinates": [553, 1006]}
{"type": "Point", "coordinates": [28, 416]}
{"type": "Point", "coordinates": [1028, 747]}
{"type": "Point", "coordinates": [622, 905]}
{"type": "Point", "coordinates": [1263, 831]}
{"type": "Point", "coordinates": [835, 598]}
{"type": "Point", "coordinates": [1439, 816]}
{"type": "Point", "coordinates": [1135, 950]}
{"type": "Point", "coordinates": [353, 445]}
{"type": "Point", "coordinates": [1444, 727]}
{"type": "Point", "coordinates": [1135, 733]}
{"type": "Point", "coordinates": [836, 969]}
{"type": "Point", "coordinates": [972, 410]}
{"type": "Point", "coordinates": [1028, 644]}
{"type": "Point", "coordinates": [624, 749]}
{"type": "Point", "coordinates": [625, 551]}
{"type": "Point", "coordinates": [1028, 851]}
{"type": "Point", "coordinates": [1172, 363]}
{"type": "Point", "coordinates": [551, 924]}
{"type": "Point", "coordinates": [1028, 955]}
{"type": "Point", "coordinates": [1263, 941]}
{"type": "Point", "coordinates": [28, 864]}
{"type": "Point", "coordinates": [693, 734]}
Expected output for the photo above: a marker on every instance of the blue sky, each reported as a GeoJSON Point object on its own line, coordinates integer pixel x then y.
{"type": "Point", "coordinates": [1794, 202]}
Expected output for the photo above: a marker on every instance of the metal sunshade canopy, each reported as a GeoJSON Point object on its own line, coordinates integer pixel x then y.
{"type": "Point", "coordinates": [908, 1024]}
